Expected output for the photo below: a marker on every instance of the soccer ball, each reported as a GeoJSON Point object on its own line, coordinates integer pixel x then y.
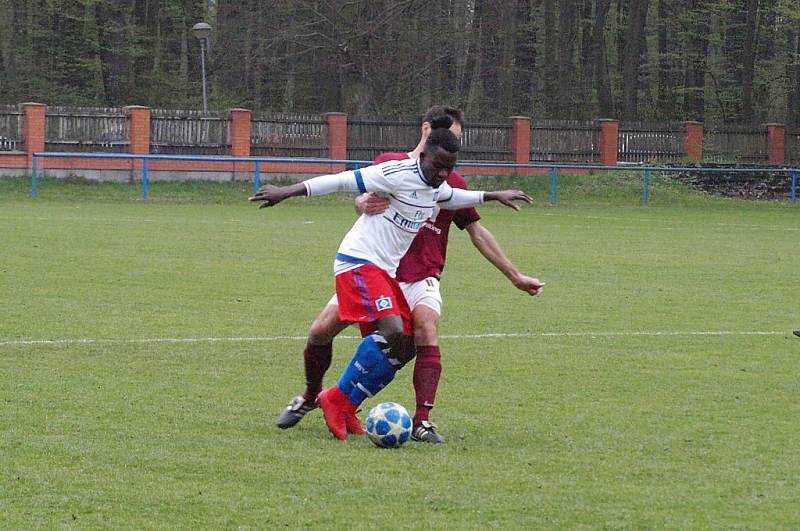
{"type": "Point", "coordinates": [388, 425]}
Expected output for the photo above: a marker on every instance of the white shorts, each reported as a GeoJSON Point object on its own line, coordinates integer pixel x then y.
{"type": "Point", "coordinates": [424, 292]}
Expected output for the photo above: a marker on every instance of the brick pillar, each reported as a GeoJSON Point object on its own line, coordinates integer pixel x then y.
{"type": "Point", "coordinates": [337, 135]}
{"type": "Point", "coordinates": [33, 128]}
{"type": "Point", "coordinates": [241, 128]}
{"type": "Point", "coordinates": [609, 141]}
{"type": "Point", "coordinates": [776, 144]}
{"type": "Point", "coordinates": [520, 139]}
{"type": "Point", "coordinates": [693, 141]}
{"type": "Point", "coordinates": [139, 133]}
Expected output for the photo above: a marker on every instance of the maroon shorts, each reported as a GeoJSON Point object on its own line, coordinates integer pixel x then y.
{"type": "Point", "coordinates": [368, 293]}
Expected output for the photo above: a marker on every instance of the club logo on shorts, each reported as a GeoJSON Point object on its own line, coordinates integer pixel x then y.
{"type": "Point", "coordinates": [384, 303]}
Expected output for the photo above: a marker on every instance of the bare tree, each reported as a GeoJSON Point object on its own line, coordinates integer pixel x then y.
{"type": "Point", "coordinates": [632, 58]}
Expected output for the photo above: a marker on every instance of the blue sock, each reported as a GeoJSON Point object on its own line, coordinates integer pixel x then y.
{"type": "Point", "coordinates": [365, 351]}
{"type": "Point", "coordinates": [368, 372]}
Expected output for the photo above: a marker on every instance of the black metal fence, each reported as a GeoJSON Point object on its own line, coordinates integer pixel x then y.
{"type": "Point", "coordinates": [733, 143]}
{"type": "Point", "coordinates": [565, 141]}
{"type": "Point", "coordinates": [651, 142]}
{"type": "Point", "coordinates": [179, 132]}
{"type": "Point", "coordinates": [11, 128]}
{"type": "Point", "coordinates": [87, 130]}
{"type": "Point", "coordinates": [71, 129]}
{"type": "Point", "coordinates": [369, 137]}
{"type": "Point", "coordinates": [793, 147]}
{"type": "Point", "coordinates": [289, 135]}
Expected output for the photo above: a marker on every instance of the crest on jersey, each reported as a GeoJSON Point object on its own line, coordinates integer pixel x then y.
{"type": "Point", "coordinates": [384, 303]}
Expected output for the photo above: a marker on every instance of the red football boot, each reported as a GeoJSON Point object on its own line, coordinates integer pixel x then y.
{"type": "Point", "coordinates": [332, 402]}
{"type": "Point", "coordinates": [354, 426]}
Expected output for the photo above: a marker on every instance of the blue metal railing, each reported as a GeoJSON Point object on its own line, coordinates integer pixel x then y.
{"type": "Point", "coordinates": [792, 173]}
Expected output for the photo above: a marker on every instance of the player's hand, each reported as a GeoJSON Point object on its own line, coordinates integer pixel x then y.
{"type": "Point", "coordinates": [507, 197]}
{"type": "Point", "coordinates": [270, 194]}
{"type": "Point", "coordinates": [530, 285]}
{"type": "Point", "coordinates": [371, 204]}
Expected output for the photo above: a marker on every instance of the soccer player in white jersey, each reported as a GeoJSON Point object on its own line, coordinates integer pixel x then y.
{"type": "Point", "coordinates": [419, 274]}
{"type": "Point", "coordinates": [368, 258]}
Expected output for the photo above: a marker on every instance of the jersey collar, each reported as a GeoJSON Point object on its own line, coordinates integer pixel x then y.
{"type": "Point", "coordinates": [422, 174]}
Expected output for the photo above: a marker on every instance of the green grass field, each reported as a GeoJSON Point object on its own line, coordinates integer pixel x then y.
{"type": "Point", "coordinates": [146, 348]}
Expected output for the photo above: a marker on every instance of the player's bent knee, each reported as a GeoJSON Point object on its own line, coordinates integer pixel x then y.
{"type": "Point", "coordinates": [426, 326]}
{"type": "Point", "coordinates": [401, 348]}
{"type": "Point", "coordinates": [325, 327]}
{"type": "Point", "coordinates": [426, 333]}
{"type": "Point", "coordinates": [320, 334]}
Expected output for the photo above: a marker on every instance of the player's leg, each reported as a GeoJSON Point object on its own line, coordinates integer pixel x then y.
{"type": "Point", "coordinates": [368, 295]}
{"type": "Point", "coordinates": [378, 357]}
{"type": "Point", "coordinates": [427, 372]}
{"type": "Point", "coordinates": [376, 361]}
{"type": "Point", "coordinates": [318, 353]}
{"type": "Point", "coordinates": [426, 303]}
{"type": "Point", "coordinates": [317, 357]}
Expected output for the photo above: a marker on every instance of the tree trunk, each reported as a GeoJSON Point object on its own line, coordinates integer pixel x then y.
{"type": "Point", "coordinates": [488, 17]}
{"type": "Point", "coordinates": [632, 57]}
{"type": "Point", "coordinates": [567, 31]}
{"type": "Point", "coordinates": [696, 57]}
{"type": "Point", "coordinates": [291, 49]}
{"type": "Point", "coordinates": [585, 62]}
{"type": "Point", "coordinates": [793, 75]}
{"type": "Point", "coordinates": [92, 42]}
{"type": "Point", "coordinates": [605, 99]}
{"type": "Point", "coordinates": [475, 91]}
{"type": "Point", "coordinates": [550, 61]}
{"type": "Point", "coordinates": [508, 43]}
{"type": "Point", "coordinates": [666, 99]}
{"type": "Point", "coordinates": [748, 62]}
{"type": "Point", "coordinates": [7, 25]}
{"type": "Point", "coordinates": [524, 86]}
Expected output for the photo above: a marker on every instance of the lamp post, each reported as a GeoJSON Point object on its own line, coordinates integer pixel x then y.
{"type": "Point", "coordinates": [202, 31]}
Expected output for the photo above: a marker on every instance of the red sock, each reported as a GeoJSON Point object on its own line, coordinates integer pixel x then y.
{"type": "Point", "coordinates": [317, 360]}
{"type": "Point", "coordinates": [427, 370]}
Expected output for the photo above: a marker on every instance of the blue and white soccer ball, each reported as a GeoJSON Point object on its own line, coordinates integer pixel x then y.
{"type": "Point", "coordinates": [388, 425]}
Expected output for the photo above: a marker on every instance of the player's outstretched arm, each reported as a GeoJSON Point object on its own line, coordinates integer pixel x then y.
{"type": "Point", "coordinates": [346, 181]}
{"type": "Point", "coordinates": [271, 195]}
{"type": "Point", "coordinates": [485, 242]}
{"type": "Point", "coordinates": [460, 198]}
{"type": "Point", "coordinates": [507, 197]}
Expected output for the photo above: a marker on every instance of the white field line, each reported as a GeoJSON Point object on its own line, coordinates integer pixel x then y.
{"type": "Point", "coordinates": [256, 339]}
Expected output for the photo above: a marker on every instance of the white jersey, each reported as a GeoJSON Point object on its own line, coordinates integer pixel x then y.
{"type": "Point", "coordinates": [382, 240]}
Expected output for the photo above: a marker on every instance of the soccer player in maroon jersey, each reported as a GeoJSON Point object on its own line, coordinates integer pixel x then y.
{"type": "Point", "coordinates": [419, 273]}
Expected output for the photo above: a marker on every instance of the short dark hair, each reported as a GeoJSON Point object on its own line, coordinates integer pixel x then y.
{"type": "Point", "coordinates": [443, 110]}
{"type": "Point", "coordinates": [441, 122]}
{"type": "Point", "coordinates": [443, 136]}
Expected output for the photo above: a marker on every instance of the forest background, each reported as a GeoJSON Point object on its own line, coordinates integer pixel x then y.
{"type": "Point", "coordinates": [723, 61]}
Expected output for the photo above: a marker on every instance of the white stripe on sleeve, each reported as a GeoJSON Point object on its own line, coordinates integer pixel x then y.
{"type": "Point", "coordinates": [461, 198]}
{"type": "Point", "coordinates": [328, 184]}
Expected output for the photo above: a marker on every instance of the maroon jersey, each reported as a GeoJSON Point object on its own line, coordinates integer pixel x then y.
{"type": "Point", "coordinates": [426, 256]}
